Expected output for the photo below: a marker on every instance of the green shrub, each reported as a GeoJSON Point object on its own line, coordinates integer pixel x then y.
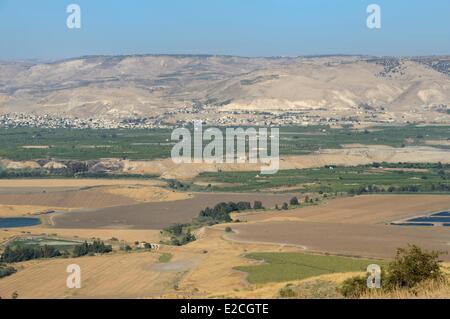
{"type": "Point", "coordinates": [287, 292]}
{"type": "Point", "coordinates": [354, 287]}
{"type": "Point", "coordinates": [228, 229]}
{"type": "Point", "coordinates": [411, 266]}
{"type": "Point", "coordinates": [6, 271]}
{"type": "Point", "coordinates": [294, 201]}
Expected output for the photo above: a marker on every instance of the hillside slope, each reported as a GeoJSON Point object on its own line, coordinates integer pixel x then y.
{"type": "Point", "coordinates": [149, 85]}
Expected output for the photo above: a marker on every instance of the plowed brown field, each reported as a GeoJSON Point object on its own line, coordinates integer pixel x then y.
{"type": "Point", "coordinates": [355, 226]}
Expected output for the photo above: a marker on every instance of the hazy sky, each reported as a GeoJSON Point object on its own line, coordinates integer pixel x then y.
{"type": "Point", "coordinates": [37, 29]}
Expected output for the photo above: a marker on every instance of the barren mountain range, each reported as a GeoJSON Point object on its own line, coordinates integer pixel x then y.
{"type": "Point", "coordinates": [382, 88]}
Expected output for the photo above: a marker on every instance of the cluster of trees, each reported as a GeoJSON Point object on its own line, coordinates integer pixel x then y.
{"type": "Point", "coordinates": [174, 184]}
{"type": "Point", "coordinates": [22, 173]}
{"type": "Point", "coordinates": [97, 247]}
{"type": "Point", "coordinates": [440, 187]}
{"type": "Point", "coordinates": [6, 270]}
{"type": "Point", "coordinates": [293, 202]}
{"type": "Point", "coordinates": [221, 212]}
{"type": "Point", "coordinates": [180, 234]}
{"type": "Point", "coordinates": [13, 254]}
{"type": "Point", "coordinates": [43, 173]}
{"type": "Point", "coordinates": [438, 165]}
{"type": "Point", "coordinates": [378, 189]}
{"type": "Point", "coordinates": [411, 266]}
{"type": "Point", "coordinates": [23, 253]}
{"type": "Point", "coordinates": [184, 239]}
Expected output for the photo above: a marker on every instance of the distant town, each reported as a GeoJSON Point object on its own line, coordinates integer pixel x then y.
{"type": "Point", "coordinates": [186, 116]}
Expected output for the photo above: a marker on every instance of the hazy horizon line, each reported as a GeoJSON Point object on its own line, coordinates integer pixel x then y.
{"type": "Point", "coordinates": [207, 55]}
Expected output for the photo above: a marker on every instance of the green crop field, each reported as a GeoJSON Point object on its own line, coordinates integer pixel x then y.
{"type": "Point", "coordinates": [86, 144]}
{"type": "Point", "coordinates": [89, 144]}
{"type": "Point", "coordinates": [382, 177]}
{"type": "Point", "coordinates": [58, 243]}
{"type": "Point", "coordinates": [279, 267]}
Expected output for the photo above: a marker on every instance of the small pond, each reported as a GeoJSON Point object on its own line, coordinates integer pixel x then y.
{"type": "Point", "coordinates": [13, 222]}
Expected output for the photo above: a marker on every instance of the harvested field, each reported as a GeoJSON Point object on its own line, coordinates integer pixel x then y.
{"type": "Point", "coordinates": [366, 209]}
{"type": "Point", "coordinates": [108, 276]}
{"type": "Point", "coordinates": [147, 193]}
{"type": "Point", "coordinates": [375, 241]}
{"type": "Point", "coordinates": [200, 269]}
{"type": "Point", "coordinates": [35, 190]}
{"type": "Point", "coordinates": [354, 226]}
{"type": "Point", "coordinates": [24, 196]}
{"type": "Point", "coordinates": [357, 226]}
{"type": "Point", "coordinates": [75, 182]}
{"type": "Point", "coordinates": [91, 198]}
{"type": "Point", "coordinates": [157, 215]}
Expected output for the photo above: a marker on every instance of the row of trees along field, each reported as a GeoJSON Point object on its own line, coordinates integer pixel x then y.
{"type": "Point", "coordinates": [28, 252]}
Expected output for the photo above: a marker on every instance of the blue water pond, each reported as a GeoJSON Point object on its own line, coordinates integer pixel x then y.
{"type": "Point", "coordinates": [14, 222]}
{"type": "Point", "coordinates": [442, 214]}
{"type": "Point", "coordinates": [430, 219]}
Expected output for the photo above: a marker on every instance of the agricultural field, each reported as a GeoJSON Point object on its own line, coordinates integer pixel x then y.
{"type": "Point", "coordinates": [355, 226]}
{"type": "Point", "coordinates": [279, 267]}
{"type": "Point", "coordinates": [157, 215]}
{"type": "Point", "coordinates": [22, 144]}
{"type": "Point", "coordinates": [345, 227]}
{"type": "Point", "coordinates": [106, 276]}
{"type": "Point", "coordinates": [62, 245]}
{"type": "Point", "coordinates": [374, 178]}
{"type": "Point", "coordinates": [31, 143]}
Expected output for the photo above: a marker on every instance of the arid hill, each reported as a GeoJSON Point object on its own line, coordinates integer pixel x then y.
{"type": "Point", "coordinates": [149, 85]}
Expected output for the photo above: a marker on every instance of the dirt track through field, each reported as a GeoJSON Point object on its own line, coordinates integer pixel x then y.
{"type": "Point", "coordinates": [357, 226]}
{"type": "Point", "coordinates": [376, 241]}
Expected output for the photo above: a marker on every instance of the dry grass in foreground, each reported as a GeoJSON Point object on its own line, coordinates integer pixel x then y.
{"type": "Point", "coordinates": [439, 289]}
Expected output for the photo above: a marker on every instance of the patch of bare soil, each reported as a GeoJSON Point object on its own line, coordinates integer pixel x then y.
{"type": "Point", "coordinates": [366, 209]}
{"type": "Point", "coordinates": [357, 226]}
{"type": "Point", "coordinates": [91, 198]}
{"type": "Point", "coordinates": [157, 215]}
{"type": "Point", "coordinates": [376, 241]}
{"type": "Point", "coordinates": [438, 142]}
{"type": "Point", "coordinates": [355, 155]}
{"type": "Point", "coordinates": [147, 193]}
